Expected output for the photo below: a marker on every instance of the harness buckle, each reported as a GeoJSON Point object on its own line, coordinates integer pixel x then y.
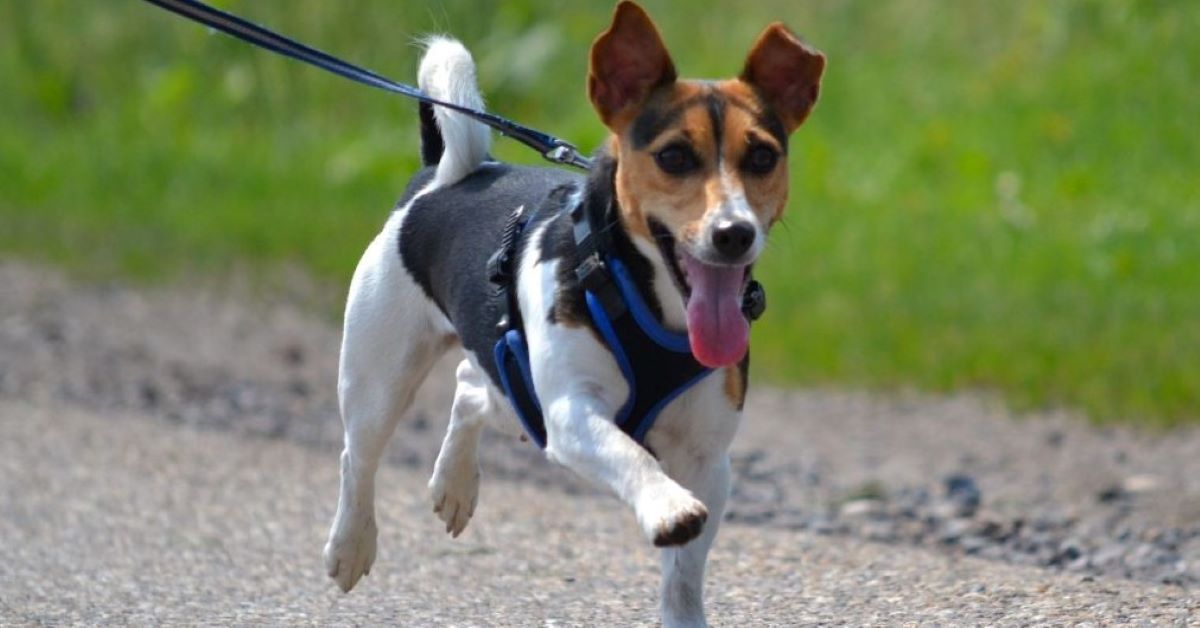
{"type": "Point", "coordinates": [593, 276]}
{"type": "Point", "coordinates": [499, 267]}
{"type": "Point", "coordinates": [591, 272]}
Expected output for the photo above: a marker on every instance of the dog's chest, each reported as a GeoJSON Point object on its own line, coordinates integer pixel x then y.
{"type": "Point", "coordinates": [700, 422]}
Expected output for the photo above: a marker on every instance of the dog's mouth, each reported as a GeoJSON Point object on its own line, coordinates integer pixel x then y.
{"type": "Point", "coordinates": [667, 247]}
{"type": "Point", "coordinates": [718, 332]}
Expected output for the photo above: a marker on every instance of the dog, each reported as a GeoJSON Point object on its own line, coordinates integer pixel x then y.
{"type": "Point", "coordinates": [690, 181]}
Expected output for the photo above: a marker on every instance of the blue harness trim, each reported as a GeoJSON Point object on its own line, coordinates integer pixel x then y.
{"type": "Point", "coordinates": [660, 368]}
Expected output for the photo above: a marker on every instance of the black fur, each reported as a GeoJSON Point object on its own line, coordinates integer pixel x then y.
{"type": "Point", "coordinates": [449, 234]}
{"type": "Point", "coordinates": [656, 117]}
{"type": "Point", "coordinates": [652, 122]}
{"type": "Point", "coordinates": [716, 116]}
{"type": "Point", "coordinates": [432, 144]}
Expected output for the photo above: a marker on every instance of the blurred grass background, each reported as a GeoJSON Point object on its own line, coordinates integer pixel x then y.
{"type": "Point", "coordinates": [995, 196]}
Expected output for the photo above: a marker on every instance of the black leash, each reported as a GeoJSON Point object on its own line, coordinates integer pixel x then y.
{"type": "Point", "coordinates": [550, 147]}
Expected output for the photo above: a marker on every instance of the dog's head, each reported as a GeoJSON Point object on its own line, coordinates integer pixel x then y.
{"type": "Point", "coordinates": [702, 165]}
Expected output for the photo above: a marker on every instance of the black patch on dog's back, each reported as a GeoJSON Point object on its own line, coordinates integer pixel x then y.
{"type": "Point", "coordinates": [448, 235]}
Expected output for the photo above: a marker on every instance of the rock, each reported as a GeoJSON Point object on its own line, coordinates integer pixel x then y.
{"type": "Point", "coordinates": [1110, 554]}
{"type": "Point", "coordinates": [1144, 556]}
{"type": "Point", "coordinates": [993, 529]}
{"type": "Point", "coordinates": [964, 493]}
{"type": "Point", "coordinates": [1110, 494]}
{"type": "Point", "coordinates": [1069, 551]}
{"type": "Point", "coordinates": [974, 544]}
{"type": "Point", "coordinates": [954, 530]}
{"type": "Point", "coordinates": [1140, 484]}
{"type": "Point", "coordinates": [861, 508]}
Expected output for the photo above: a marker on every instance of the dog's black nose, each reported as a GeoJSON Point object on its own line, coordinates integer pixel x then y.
{"type": "Point", "coordinates": [733, 238]}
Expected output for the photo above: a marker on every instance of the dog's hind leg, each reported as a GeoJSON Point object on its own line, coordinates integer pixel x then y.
{"type": "Point", "coordinates": [455, 482]}
{"type": "Point", "coordinates": [393, 335]}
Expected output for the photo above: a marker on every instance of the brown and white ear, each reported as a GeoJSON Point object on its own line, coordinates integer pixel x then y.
{"type": "Point", "coordinates": [628, 61]}
{"type": "Point", "coordinates": [786, 73]}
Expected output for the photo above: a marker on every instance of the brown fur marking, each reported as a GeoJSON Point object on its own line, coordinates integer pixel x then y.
{"type": "Point", "coordinates": [735, 386]}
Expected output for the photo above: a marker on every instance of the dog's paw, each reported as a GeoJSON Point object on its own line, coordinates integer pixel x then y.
{"type": "Point", "coordinates": [671, 516]}
{"type": "Point", "coordinates": [455, 491]}
{"type": "Point", "coordinates": [350, 551]}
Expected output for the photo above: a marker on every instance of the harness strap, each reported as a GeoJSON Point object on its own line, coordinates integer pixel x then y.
{"type": "Point", "coordinates": [502, 272]}
{"type": "Point", "coordinates": [511, 354]}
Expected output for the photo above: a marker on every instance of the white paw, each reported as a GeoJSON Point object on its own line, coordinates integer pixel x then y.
{"type": "Point", "coordinates": [670, 515]}
{"type": "Point", "coordinates": [455, 491]}
{"type": "Point", "coordinates": [350, 551]}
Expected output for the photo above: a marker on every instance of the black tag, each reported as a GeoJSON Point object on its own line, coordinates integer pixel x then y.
{"type": "Point", "coordinates": [754, 301]}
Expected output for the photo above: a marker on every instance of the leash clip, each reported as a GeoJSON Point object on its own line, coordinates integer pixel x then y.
{"type": "Point", "coordinates": [566, 154]}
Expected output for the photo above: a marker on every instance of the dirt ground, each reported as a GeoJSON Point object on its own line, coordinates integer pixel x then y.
{"type": "Point", "coordinates": [169, 456]}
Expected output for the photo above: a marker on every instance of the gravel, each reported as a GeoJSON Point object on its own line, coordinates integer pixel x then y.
{"type": "Point", "coordinates": [117, 519]}
{"type": "Point", "coordinates": [960, 475]}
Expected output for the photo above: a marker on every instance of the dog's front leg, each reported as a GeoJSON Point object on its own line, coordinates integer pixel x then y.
{"type": "Point", "coordinates": [582, 436]}
{"type": "Point", "coordinates": [683, 567]}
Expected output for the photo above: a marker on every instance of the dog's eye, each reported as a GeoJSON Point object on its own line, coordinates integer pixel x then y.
{"type": "Point", "coordinates": [676, 160]}
{"type": "Point", "coordinates": [760, 159]}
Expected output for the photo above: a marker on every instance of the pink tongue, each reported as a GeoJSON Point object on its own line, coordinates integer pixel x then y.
{"type": "Point", "coordinates": [717, 329]}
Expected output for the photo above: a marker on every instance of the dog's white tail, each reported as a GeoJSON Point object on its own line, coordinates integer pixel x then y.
{"type": "Point", "coordinates": [456, 143]}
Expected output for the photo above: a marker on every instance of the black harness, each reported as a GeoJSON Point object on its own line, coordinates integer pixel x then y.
{"type": "Point", "coordinates": [656, 363]}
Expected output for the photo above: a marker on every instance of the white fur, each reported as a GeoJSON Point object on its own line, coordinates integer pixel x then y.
{"type": "Point", "coordinates": [447, 73]}
{"type": "Point", "coordinates": [736, 208]}
{"type": "Point", "coordinates": [394, 333]}
{"type": "Point", "coordinates": [392, 336]}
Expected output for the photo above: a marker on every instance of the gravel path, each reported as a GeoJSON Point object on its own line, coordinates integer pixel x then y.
{"type": "Point", "coordinates": [130, 521]}
{"type": "Point", "coordinates": [960, 476]}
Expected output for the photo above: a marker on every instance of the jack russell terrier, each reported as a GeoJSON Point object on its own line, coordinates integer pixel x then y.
{"type": "Point", "coordinates": [604, 316]}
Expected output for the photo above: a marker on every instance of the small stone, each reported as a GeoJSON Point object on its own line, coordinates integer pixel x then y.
{"type": "Point", "coordinates": [1110, 494]}
{"type": "Point", "coordinates": [993, 530]}
{"type": "Point", "coordinates": [973, 544]}
{"type": "Point", "coordinates": [861, 508]}
{"type": "Point", "coordinates": [954, 530]}
{"type": "Point", "coordinates": [1110, 554]}
{"type": "Point", "coordinates": [1139, 484]}
{"type": "Point", "coordinates": [962, 490]}
{"type": "Point", "coordinates": [1143, 556]}
{"type": "Point", "coordinates": [1068, 552]}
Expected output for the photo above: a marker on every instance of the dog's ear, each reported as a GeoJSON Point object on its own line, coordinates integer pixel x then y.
{"type": "Point", "coordinates": [786, 73]}
{"type": "Point", "coordinates": [628, 61]}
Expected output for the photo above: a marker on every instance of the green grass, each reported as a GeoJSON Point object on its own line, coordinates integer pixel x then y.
{"type": "Point", "coordinates": [995, 196]}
